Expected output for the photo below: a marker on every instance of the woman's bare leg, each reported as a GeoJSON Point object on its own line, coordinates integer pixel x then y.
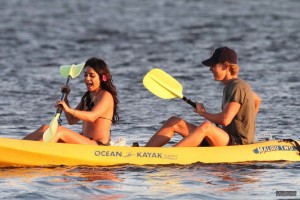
{"type": "Point", "coordinates": [69, 136]}
{"type": "Point", "coordinates": [37, 135]}
{"type": "Point", "coordinates": [63, 135]}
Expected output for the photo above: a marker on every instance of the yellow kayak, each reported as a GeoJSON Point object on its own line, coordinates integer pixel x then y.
{"type": "Point", "coordinates": [15, 152]}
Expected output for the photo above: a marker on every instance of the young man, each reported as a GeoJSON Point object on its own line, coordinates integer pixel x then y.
{"type": "Point", "coordinates": [237, 118]}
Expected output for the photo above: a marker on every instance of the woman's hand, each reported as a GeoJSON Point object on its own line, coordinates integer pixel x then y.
{"type": "Point", "coordinates": [62, 105]}
{"type": "Point", "coordinates": [200, 109]}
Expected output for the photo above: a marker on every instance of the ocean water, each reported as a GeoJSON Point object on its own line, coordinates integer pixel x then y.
{"type": "Point", "coordinates": [133, 36]}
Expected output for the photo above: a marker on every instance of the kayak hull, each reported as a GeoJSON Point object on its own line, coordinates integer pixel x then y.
{"type": "Point", "coordinates": [14, 152]}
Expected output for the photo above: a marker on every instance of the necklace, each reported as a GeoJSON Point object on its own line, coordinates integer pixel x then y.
{"type": "Point", "coordinates": [92, 101]}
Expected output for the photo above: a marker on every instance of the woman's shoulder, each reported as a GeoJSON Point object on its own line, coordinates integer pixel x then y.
{"type": "Point", "coordinates": [104, 94]}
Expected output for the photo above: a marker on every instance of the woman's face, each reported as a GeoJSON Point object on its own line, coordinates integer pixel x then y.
{"type": "Point", "coordinates": [91, 79]}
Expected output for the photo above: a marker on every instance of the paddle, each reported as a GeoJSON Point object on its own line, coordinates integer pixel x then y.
{"type": "Point", "coordinates": [69, 72]}
{"type": "Point", "coordinates": [164, 85]}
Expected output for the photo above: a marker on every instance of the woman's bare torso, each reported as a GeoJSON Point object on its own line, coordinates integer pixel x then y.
{"type": "Point", "coordinates": [100, 129]}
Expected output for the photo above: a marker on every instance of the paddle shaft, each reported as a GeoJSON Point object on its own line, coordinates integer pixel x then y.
{"type": "Point", "coordinates": [189, 101]}
{"type": "Point", "coordinates": [63, 94]}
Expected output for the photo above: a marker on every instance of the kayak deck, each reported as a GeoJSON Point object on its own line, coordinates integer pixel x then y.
{"type": "Point", "coordinates": [14, 152]}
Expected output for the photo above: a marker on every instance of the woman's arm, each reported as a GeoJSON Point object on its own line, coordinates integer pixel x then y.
{"type": "Point", "coordinates": [70, 118]}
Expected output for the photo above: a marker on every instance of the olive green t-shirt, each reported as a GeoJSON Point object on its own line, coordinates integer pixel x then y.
{"type": "Point", "coordinates": [243, 124]}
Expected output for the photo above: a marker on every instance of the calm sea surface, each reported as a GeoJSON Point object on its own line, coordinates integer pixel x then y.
{"type": "Point", "coordinates": [134, 36]}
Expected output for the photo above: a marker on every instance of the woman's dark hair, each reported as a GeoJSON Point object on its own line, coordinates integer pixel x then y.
{"type": "Point", "coordinates": [106, 84]}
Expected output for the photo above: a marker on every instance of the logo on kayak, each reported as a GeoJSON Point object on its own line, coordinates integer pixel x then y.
{"type": "Point", "coordinates": [271, 148]}
{"type": "Point", "coordinates": [137, 154]}
{"type": "Point", "coordinates": [108, 153]}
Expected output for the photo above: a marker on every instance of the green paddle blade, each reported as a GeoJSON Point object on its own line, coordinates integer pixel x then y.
{"type": "Point", "coordinates": [51, 131]}
{"type": "Point", "coordinates": [162, 84]}
{"type": "Point", "coordinates": [71, 70]}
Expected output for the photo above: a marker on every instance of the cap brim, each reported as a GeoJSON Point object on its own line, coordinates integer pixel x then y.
{"type": "Point", "coordinates": [209, 62]}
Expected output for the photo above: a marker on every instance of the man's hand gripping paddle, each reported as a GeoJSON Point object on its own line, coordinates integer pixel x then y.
{"type": "Point", "coordinates": [69, 72]}
{"type": "Point", "coordinates": [164, 85]}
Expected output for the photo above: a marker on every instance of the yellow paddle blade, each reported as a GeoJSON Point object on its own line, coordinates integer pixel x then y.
{"type": "Point", "coordinates": [51, 131]}
{"type": "Point", "coordinates": [71, 70]}
{"type": "Point", "coordinates": [162, 84]}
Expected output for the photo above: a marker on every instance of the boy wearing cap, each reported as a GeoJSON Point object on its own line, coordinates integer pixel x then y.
{"type": "Point", "coordinates": [239, 108]}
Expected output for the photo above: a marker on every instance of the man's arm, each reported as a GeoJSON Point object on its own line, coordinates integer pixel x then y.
{"type": "Point", "coordinates": [223, 118]}
{"type": "Point", "coordinates": [257, 101]}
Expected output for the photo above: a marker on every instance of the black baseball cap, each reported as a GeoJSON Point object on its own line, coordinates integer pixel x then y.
{"type": "Point", "coordinates": [221, 55]}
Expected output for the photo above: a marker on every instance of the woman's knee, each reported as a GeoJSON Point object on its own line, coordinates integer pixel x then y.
{"type": "Point", "coordinates": [43, 128]}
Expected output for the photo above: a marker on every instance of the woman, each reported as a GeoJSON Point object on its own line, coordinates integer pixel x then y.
{"type": "Point", "coordinates": [97, 109]}
{"type": "Point", "coordinates": [239, 107]}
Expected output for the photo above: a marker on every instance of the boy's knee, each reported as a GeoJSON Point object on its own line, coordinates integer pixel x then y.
{"type": "Point", "coordinates": [172, 121]}
{"type": "Point", "coordinates": [206, 125]}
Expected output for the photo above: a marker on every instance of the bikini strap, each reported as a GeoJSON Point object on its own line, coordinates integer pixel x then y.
{"type": "Point", "coordinates": [105, 118]}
